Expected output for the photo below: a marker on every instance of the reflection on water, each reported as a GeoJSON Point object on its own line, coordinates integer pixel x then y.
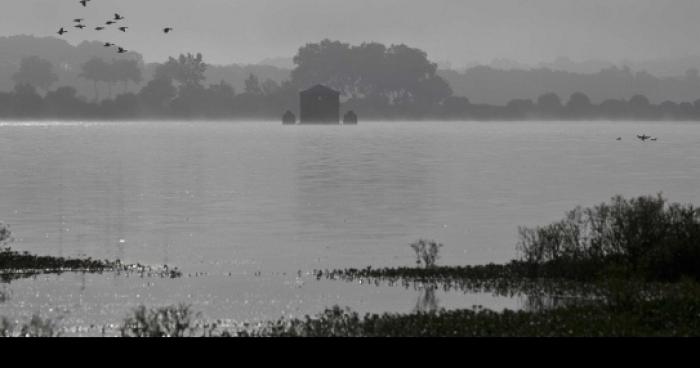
{"type": "Point", "coordinates": [239, 199]}
{"type": "Point", "coordinates": [427, 300]}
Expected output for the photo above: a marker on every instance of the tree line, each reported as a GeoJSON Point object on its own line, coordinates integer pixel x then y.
{"type": "Point", "coordinates": [394, 82]}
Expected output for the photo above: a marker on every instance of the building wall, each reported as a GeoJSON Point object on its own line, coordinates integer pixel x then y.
{"type": "Point", "coordinates": [319, 108]}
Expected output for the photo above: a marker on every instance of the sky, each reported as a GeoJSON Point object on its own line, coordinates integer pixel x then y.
{"type": "Point", "coordinates": [457, 31]}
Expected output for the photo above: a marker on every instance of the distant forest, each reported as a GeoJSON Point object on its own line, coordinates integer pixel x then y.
{"type": "Point", "coordinates": [47, 78]}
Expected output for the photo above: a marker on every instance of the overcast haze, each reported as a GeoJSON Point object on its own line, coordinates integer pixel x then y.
{"type": "Point", "coordinates": [458, 31]}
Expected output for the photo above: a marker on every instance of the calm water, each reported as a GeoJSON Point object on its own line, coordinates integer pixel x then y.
{"type": "Point", "coordinates": [224, 201]}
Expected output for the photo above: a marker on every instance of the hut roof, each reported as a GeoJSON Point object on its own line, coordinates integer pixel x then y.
{"type": "Point", "coordinates": [320, 90]}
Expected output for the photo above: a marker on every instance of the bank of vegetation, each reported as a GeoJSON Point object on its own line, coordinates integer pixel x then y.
{"type": "Point", "coordinates": [628, 267]}
{"type": "Point", "coordinates": [16, 265]}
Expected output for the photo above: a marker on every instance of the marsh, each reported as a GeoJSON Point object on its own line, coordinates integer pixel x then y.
{"type": "Point", "coordinates": [241, 208]}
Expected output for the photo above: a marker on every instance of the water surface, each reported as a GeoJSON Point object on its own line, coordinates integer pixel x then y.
{"type": "Point", "coordinates": [226, 202]}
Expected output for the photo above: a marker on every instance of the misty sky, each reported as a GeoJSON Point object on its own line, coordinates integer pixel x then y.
{"type": "Point", "coordinates": [459, 31]}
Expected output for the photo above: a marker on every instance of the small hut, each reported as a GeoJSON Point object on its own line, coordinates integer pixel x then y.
{"type": "Point", "coordinates": [319, 105]}
{"type": "Point", "coordinates": [289, 118]}
{"type": "Point", "coordinates": [350, 118]}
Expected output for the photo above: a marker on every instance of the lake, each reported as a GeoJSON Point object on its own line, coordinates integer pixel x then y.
{"type": "Point", "coordinates": [248, 210]}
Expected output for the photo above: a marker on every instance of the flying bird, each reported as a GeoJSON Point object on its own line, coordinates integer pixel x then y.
{"type": "Point", "coordinates": [110, 22]}
{"type": "Point", "coordinates": [108, 44]}
{"type": "Point", "coordinates": [118, 17]}
{"type": "Point", "coordinates": [81, 26]}
{"type": "Point", "coordinates": [61, 31]}
{"type": "Point", "coordinates": [167, 29]}
{"type": "Point", "coordinates": [123, 29]}
{"type": "Point", "coordinates": [78, 20]}
{"type": "Point", "coordinates": [643, 137]}
{"type": "Point", "coordinates": [122, 50]}
{"type": "Point", "coordinates": [84, 2]}
{"type": "Point", "coordinates": [99, 28]}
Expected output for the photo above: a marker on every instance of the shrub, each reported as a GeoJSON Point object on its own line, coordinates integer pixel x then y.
{"type": "Point", "coordinates": [171, 321]}
{"type": "Point", "coordinates": [427, 252]}
{"type": "Point", "coordinates": [5, 234]}
{"type": "Point", "coordinates": [36, 327]}
{"type": "Point", "coordinates": [643, 235]}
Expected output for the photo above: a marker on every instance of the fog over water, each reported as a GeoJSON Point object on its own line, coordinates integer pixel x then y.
{"type": "Point", "coordinates": [458, 31]}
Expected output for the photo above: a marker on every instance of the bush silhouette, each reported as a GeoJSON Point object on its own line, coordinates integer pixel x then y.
{"type": "Point", "coordinates": [427, 252]}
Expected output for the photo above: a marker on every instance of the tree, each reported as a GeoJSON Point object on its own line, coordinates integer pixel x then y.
{"type": "Point", "coordinates": [252, 85]}
{"type": "Point", "coordinates": [579, 105]}
{"type": "Point", "coordinates": [27, 102]}
{"type": "Point", "coordinates": [549, 104]}
{"type": "Point", "coordinates": [157, 94]}
{"type": "Point", "coordinates": [37, 72]}
{"type": "Point", "coordinates": [63, 102]}
{"type": "Point", "coordinates": [220, 99]}
{"type": "Point", "coordinates": [270, 87]}
{"type": "Point", "coordinates": [187, 70]}
{"type": "Point", "coordinates": [640, 107]}
{"type": "Point", "coordinates": [401, 75]}
{"type": "Point", "coordinates": [125, 71]}
{"type": "Point", "coordinates": [96, 70]}
{"type": "Point", "coordinates": [427, 252]}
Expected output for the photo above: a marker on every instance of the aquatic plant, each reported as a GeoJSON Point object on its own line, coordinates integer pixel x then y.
{"type": "Point", "coordinates": [427, 252]}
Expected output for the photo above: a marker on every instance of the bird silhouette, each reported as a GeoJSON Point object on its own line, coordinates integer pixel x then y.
{"type": "Point", "coordinates": [108, 44]}
{"type": "Point", "coordinates": [619, 138]}
{"type": "Point", "coordinates": [99, 28]}
{"type": "Point", "coordinates": [167, 29]}
{"type": "Point", "coordinates": [118, 17]}
{"type": "Point", "coordinates": [84, 2]}
{"type": "Point", "coordinates": [643, 137]}
{"type": "Point", "coordinates": [61, 31]}
{"type": "Point", "coordinates": [110, 22]}
{"type": "Point", "coordinates": [81, 26]}
{"type": "Point", "coordinates": [123, 29]}
{"type": "Point", "coordinates": [122, 50]}
{"type": "Point", "coordinates": [654, 139]}
{"type": "Point", "coordinates": [78, 20]}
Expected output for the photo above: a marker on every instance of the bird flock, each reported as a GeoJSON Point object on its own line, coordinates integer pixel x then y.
{"type": "Point", "coordinates": [117, 18]}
